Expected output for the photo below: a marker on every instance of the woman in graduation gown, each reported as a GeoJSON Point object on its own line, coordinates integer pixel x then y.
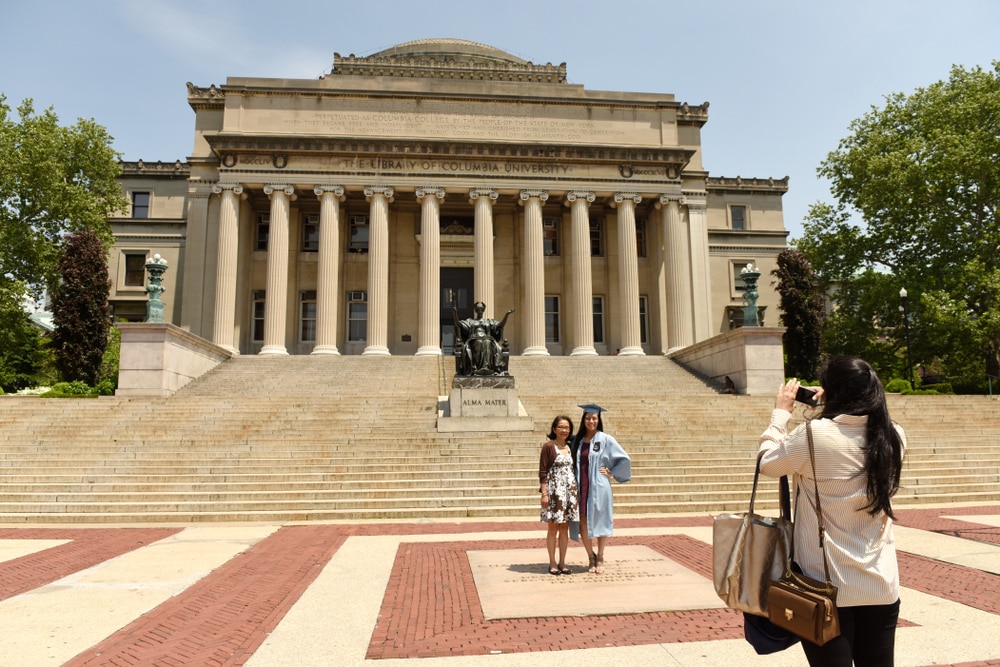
{"type": "Point", "coordinates": [598, 459]}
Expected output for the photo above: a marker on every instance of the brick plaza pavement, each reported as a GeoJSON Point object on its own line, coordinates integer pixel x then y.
{"type": "Point", "coordinates": [443, 593]}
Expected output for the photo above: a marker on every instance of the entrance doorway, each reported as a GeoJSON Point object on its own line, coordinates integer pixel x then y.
{"type": "Point", "coordinates": [456, 287]}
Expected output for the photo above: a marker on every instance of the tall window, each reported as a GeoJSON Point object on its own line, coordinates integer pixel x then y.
{"type": "Point", "coordinates": [135, 270]}
{"type": "Point", "coordinates": [596, 239]}
{"type": "Point", "coordinates": [551, 319]}
{"type": "Point", "coordinates": [738, 217]}
{"type": "Point", "coordinates": [738, 282]}
{"type": "Point", "coordinates": [357, 316]}
{"type": "Point", "coordinates": [258, 316]}
{"type": "Point", "coordinates": [640, 238]}
{"type": "Point", "coordinates": [140, 204]}
{"type": "Point", "coordinates": [307, 316]}
{"type": "Point", "coordinates": [550, 236]}
{"type": "Point", "coordinates": [359, 234]}
{"type": "Point", "coordinates": [598, 319]}
{"type": "Point", "coordinates": [643, 321]}
{"type": "Point", "coordinates": [310, 234]}
{"type": "Point", "coordinates": [263, 230]}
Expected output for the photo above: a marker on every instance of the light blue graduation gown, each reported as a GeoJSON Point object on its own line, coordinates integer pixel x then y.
{"type": "Point", "coordinates": [604, 452]}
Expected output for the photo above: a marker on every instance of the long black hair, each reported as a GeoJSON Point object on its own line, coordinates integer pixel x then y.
{"type": "Point", "coordinates": [582, 431]}
{"type": "Point", "coordinates": [851, 388]}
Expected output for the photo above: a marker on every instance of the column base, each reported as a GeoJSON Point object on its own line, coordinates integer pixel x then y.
{"type": "Point", "coordinates": [325, 349]}
{"type": "Point", "coordinates": [273, 350]}
{"type": "Point", "coordinates": [585, 350]}
{"type": "Point", "coordinates": [379, 350]}
{"type": "Point", "coordinates": [428, 350]}
{"type": "Point", "coordinates": [631, 352]}
{"type": "Point", "coordinates": [535, 351]}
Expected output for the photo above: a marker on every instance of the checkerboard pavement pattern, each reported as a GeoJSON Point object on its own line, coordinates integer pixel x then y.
{"type": "Point", "coordinates": [429, 606]}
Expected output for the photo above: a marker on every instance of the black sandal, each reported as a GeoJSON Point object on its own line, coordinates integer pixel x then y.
{"type": "Point", "coordinates": [565, 570]}
{"type": "Point", "coordinates": [554, 571]}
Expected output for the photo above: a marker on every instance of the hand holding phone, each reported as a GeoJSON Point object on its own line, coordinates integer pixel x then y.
{"type": "Point", "coordinates": [806, 396]}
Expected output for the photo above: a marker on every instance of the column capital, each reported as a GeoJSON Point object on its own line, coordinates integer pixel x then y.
{"type": "Point", "coordinates": [235, 188]}
{"type": "Point", "coordinates": [476, 193]}
{"type": "Point", "coordinates": [542, 195]}
{"type": "Point", "coordinates": [666, 199]}
{"type": "Point", "coordinates": [336, 190]}
{"type": "Point", "coordinates": [372, 190]}
{"type": "Point", "coordinates": [430, 191]}
{"type": "Point", "coordinates": [627, 196]}
{"type": "Point", "coordinates": [573, 196]}
{"type": "Point", "coordinates": [288, 190]}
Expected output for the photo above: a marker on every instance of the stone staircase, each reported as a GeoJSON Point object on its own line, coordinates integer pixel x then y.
{"type": "Point", "coordinates": [322, 438]}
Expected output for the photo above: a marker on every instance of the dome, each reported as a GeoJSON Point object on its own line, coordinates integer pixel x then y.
{"type": "Point", "coordinates": [447, 49]}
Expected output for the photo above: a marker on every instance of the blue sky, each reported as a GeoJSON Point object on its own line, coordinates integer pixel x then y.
{"type": "Point", "coordinates": [784, 78]}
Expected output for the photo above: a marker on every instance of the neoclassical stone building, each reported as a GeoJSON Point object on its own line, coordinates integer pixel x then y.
{"type": "Point", "coordinates": [348, 214]}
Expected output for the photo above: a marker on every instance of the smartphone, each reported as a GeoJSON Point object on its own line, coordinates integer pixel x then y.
{"type": "Point", "coordinates": [807, 396]}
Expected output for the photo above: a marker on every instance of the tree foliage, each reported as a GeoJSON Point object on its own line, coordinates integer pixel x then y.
{"type": "Point", "coordinates": [53, 180]}
{"type": "Point", "coordinates": [802, 311]}
{"type": "Point", "coordinates": [22, 348]}
{"type": "Point", "coordinates": [922, 174]}
{"type": "Point", "coordinates": [80, 309]}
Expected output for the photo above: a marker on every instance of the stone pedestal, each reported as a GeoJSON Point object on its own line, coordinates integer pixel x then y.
{"type": "Point", "coordinates": [483, 403]}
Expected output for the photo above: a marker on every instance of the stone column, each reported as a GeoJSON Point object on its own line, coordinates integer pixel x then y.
{"type": "Point", "coordinates": [628, 274]}
{"type": "Point", "coordinates": [678, 273]}
{"type": "Point", "coordinates": [379, 199]}
{"type": "Point", "coordinates": [532, 261]}
{"type": "Point", "coordinates": [581, 277]}
{"type": "Point", "coordinates": [701, 282]}
{"type": "Point", "coordinates": [223, 324]}
{"type": "Point", "coordinates": [428, 325]}
{"type": "Point", "coordinates": [276, 297]}
{"type": "Point", "coordinates": [483, 275]}
{"type": "Point", "coordinates": [327, 285]}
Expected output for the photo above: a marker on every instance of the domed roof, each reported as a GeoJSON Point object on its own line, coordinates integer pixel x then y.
{"type": "Point", "coordinates": [452, 59]}
{"type": "Point", "coordinates": [446, 49]}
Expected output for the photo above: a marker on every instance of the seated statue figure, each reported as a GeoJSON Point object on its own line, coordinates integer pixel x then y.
{"type": "Point", "coordinates": [480, 348]}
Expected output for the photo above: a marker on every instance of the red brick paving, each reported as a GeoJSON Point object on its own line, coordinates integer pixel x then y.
{"type": "Point", "coordinates": [88, 547]}
{"type": "Point", "coordinates": [933, 520]}
{"type": "Point", "coordinates": [431, 606]}
{"type": "Point", "coordinates": [224, 618]}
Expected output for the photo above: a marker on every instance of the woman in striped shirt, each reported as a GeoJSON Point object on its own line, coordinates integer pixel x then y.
{"type": "Point", "coordinates": [859, 453]}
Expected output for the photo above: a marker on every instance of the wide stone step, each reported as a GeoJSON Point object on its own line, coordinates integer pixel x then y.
{"type": "Point", "coordinates": [256, 440]}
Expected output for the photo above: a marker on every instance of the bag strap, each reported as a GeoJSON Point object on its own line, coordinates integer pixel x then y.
{"type": "Point", "coordinates": [783, 494]}
{"type": "Point", "coordinates": [819, 508]}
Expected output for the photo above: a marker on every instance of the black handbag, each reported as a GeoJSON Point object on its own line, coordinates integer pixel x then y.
{"type": "Point", "coordinates": [799, 604]}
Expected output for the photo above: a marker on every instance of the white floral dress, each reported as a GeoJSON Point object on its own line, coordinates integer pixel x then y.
{"type": "Point", "coordinates": [561, 484]}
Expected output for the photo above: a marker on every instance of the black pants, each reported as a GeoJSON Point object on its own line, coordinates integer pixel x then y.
{"type": "Point", "coordinates": [867, 638]}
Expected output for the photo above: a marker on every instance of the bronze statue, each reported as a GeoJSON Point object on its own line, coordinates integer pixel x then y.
{"type": "Point", "coordinates": [480, 348]}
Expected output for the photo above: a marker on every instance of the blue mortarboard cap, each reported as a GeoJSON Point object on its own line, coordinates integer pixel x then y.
{"type": "Point", "coordinates": [592, 407]}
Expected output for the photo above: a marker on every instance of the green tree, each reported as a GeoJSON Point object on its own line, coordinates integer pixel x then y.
{"type": "Point", "coordinates": [80, 309]}
{"type": "Point", "coordinates": [53, 180]}
{"type": "Point", "coordinates": [802, 311]}
{"type": "Point", "coordinates": [22, 348]}
{"type": "Point", "coordinates": [917, 185]}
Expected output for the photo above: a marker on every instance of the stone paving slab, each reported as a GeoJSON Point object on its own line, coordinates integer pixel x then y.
{"type": "Point", "coordinates": [384, 593]}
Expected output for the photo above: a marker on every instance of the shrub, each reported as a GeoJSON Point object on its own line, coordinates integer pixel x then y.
{"type": "Point", "coordinates": [75, 389]}
{"type": "Point", "coordinates": [897, 386]}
